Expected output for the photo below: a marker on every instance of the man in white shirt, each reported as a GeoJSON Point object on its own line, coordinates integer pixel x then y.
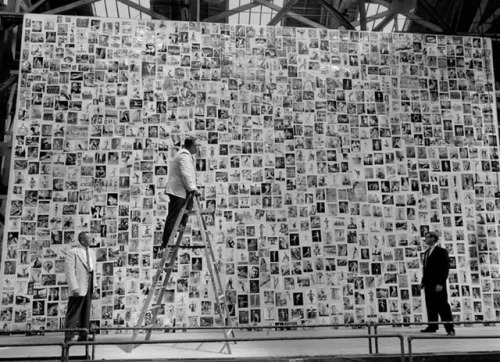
{"type": "Point", "coordinates": [80, 266]}
{"type": "Point", "coordinates": [181, 181]}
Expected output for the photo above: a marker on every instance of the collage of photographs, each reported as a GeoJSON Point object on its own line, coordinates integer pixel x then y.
{"type": "Point", "coordinates": [326, 157]}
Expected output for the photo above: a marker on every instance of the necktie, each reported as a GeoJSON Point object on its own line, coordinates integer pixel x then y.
{"type": "Point", "coordinates": [88, 258]}
{"type": "Point", "coordinates": [426, 255]}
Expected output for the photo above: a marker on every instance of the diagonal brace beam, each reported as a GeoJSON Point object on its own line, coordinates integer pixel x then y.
{"type": "Point", "coordinates": [71, 6]}
{"type": "Point", "coordinates": [142, 9]}
{"type": "Point", "coordinates": [35, 6]}
{"type": "Point", "coordinates": [380, 26]}
{"type": "Point", "coordinates": [336, 15]}
{"type": "Point", "coordinates": [296, 16]}
{"type": "Point", "coordinates": [435, 17]}
{"type": "Point", "coordinates": [282, 13]}
{"type": "Point", "coordinates": [362, 14]}
{"type": "Point", "coordinates": [228, 13]}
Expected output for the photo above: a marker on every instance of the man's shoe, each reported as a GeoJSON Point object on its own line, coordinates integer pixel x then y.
{"type": "Point", "coordinates": [451, 333]}
{"type": "Point", "coordinates": [85, 338]}
{"type": "Point", "coordinates": [428, 330]}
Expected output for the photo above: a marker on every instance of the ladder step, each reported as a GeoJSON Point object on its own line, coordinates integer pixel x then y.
{"type": "Point", "coordinates": [189, 246]}
{"type": "Point", "coordinates": [202, 212]}
{"type": "Point", "coordinates": [168, 264]}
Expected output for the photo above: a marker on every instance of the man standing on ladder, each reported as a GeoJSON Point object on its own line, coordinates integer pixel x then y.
{"type": "Point", "coordinates": [181, 181]}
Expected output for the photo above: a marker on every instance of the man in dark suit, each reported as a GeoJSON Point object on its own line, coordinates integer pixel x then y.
{"type": "Point", "coordinates": [436, 268]}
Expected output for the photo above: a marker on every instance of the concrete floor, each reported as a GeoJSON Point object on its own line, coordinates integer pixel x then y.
{"type": "Point", "coordinates": [319, 344]}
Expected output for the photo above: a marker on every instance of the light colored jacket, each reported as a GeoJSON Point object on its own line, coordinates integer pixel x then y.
{"type": "Point", "coordinates": [75, 267]}
{"type": "Point", "coordinates": [181, 174]}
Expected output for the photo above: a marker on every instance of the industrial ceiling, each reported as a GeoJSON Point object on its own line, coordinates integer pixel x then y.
{"type": "Point", "coordinates": [450, 17]}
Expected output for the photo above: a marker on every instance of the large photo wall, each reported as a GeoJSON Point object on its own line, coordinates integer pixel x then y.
{"type": "Point", "coordinates": [326, 155]}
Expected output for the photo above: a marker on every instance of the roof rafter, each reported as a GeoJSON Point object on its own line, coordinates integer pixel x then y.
{"type": "Point", "coordinates": [234, 11]}
{"type": "Point", "coordinates": [142, 9]}
{"type": "Point", "coordinates": [336, 15]}
{"type": "Point", "coordinates": [296, 16]}
{"type": "Point", "coordinates": [476, 22]}
{"type": "Point", "coordinates": [74, 5]}
{"type": "Point", "coordinates": [424, 4]}
{"type": "Point", "coordinates": [282, 13]}
{"type": "Point", "coordinates": [362, 14]}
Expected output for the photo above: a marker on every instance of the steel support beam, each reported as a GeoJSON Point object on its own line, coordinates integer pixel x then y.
{"type": "Point", "coordinates": [142, 9]}
{"type": "Point", "coordinates": [296, 16]}
{"type": "Point", "coordinates": [35, 6]}
{"type": "Point", "coordinates": [362, 14]}
{"type": "Point", "coordinates": [76, 4]}
{"type": "Point", "coordinates": [228, 13]}
{"type": "Point", "coordinates": [9, 15]}
{"type": "Point", "coordinates": [282, 13]}
{"type": "Point", "coordinates": [382, 14]}
{"type": "Point", "coordinates": [476, 21]}
{"type": "Point", "coordinates": [426, 23]}
{"type": "Point", "coordinates": [380, 26]}
{"type": "Point", "coordinates": [488, 23]}
{"type": "Point", "coordinates": [435, 17]}
{"type": "Point", "coordinates": [336, 15]}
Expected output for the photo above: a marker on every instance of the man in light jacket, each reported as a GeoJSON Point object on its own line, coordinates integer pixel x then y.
{"type": "Point", "coordinates": [181, 181]}
{"type": "Point", "coordinates": [80, 269]}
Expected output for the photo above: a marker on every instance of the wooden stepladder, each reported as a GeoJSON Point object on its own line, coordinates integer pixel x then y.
{"type": "Point", "coordinates": [166, 268]}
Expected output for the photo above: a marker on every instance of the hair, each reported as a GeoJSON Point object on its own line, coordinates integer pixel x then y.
{"type": "Point", "coordinates": [81, 235]}
{"type": "Point", "coordinates": [189, 142]}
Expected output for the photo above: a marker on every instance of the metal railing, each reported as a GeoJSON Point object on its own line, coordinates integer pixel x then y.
{"type": "Point", "coordinates": [411, 338]}
{"type": "Point", "coordinates": [218, 340]}
{"type": "Point", "coordinates": [254, 327]}
{"type": "Point", "coordinates": [63, 344]}
{"type": "Point", "coordinates": [408, 324]}
{"type": "Point", "coordinates": [373, 329]}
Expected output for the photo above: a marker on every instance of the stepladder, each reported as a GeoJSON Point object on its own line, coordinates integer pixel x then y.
{"type": "Point", "coordinates": [166, 268]}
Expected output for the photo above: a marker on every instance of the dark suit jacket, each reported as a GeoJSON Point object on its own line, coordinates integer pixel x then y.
{"type": "Point", "coordinates": [436, 268]}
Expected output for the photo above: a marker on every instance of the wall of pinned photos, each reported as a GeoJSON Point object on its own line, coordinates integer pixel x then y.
{"type": "Point", "coordinates": [326, 156]}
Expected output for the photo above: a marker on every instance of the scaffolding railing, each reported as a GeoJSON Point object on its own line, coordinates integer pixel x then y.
{"type": "Point", "coordinates": [40, 343]}
{"type": "Point", "coordinates": [236, 339]}
{"type": "Point", "coordinates": [376, 326]}
{"type": "Point", "coordinates": [467, 337]}
{"type": "Point", "coordinates": [372, 328]}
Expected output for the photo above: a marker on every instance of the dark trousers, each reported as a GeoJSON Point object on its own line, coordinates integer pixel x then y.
{"type": "Point", "coordinates": [174, 208]}
{"type": "Point", "coordinates": [78, 313]}
{"type": "Point", "coordinates": [437, 305]}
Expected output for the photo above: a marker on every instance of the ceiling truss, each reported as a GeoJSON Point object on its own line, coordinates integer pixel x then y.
{"type": "Point", "coordinates": [418, 11]}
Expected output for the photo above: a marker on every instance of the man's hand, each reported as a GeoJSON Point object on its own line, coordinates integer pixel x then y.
{"type": "Point", "coordinates": [439, 288]}
{"type": "Point", "coordinates": [75, 293]}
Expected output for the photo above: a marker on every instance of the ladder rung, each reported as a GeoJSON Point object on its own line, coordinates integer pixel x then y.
{"type": "Point", "coordinates": [189, 246]}
{"type": "Point", "coordinates": [202, 212]}
{"type": "Point", "coordinates": [168, 265]}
